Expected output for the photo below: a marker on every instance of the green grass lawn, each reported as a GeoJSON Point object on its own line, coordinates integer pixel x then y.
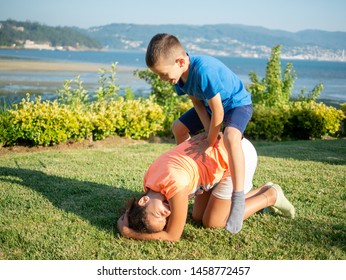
{"type": "Point", "coordinates": [64, 204]}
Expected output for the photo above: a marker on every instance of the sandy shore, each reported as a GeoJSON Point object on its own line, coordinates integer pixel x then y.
{"type": "Point", "coordinates": [40, 65]}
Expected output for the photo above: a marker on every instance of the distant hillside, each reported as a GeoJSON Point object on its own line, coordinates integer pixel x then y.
{"type": "Point", "coordinates": [227, 39]}
{"type": "Point", "coordinates": [34, 35]}
{"type": "Point", "coordinates": [219, 39]}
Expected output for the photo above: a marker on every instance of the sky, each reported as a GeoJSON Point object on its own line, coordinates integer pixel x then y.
{"type": "Point", "coordinates": [288, 15]}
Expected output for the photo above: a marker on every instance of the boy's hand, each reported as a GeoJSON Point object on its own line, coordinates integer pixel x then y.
{"type": "Point", "coordinates": [199, 148]}
{"type": "Point", "coordinates": [200, 145]}
{"type": "Point", "coordinates": [199, 137]}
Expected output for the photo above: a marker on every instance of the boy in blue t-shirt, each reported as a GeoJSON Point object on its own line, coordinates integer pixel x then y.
{"type": "Point", "coordinates": [219, 98]}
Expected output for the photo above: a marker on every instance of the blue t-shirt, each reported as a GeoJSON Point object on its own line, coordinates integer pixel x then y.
{"type": "Point", "coordinates": [208, 76]}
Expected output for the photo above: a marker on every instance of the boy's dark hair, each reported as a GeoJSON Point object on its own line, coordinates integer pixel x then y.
{"type": "Point", "coordinates": [137, 218]}
{"type": "Point", "coordinates": [161, 44]}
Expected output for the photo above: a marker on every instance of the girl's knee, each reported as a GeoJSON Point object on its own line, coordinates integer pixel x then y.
{"type": "Point", "coordinates": [213, 224]}
{"type": "Point", "coordinates": [213, 221]}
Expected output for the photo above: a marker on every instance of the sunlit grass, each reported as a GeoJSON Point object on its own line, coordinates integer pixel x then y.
{"type": "Point", "coordinates": [63, 204]}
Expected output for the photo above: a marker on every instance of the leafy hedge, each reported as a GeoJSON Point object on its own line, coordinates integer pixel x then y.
{"type": "Point", "coordinates": [136, 119]}
{"type": "Point", "coordinates": [309, 120]}
{"type": "Point", "coordinates": [298, 120]}
{"type": "Point", "coordinates": [267, 124]}
{"type": "Point", "coordinates": [50, 122]}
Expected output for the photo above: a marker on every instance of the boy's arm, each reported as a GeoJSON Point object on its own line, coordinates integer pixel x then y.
{"type": "Point", "coordinates": [217, 115]}
{"type": "Point", "coordinates": [201, 111]}
{"type": "Point", "coordinates": [175, 225]}
{"type": "Point", "coordinates": [214, 123]}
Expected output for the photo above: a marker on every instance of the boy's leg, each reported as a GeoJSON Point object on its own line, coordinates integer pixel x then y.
{"type": "Point", "coordinates": [180, 132]}
{"type": "Point", "coordinates": [232, 140]}
{"type": "Point", "coordinates": [188, 123]}
{"type": "Point", "coordinates": [236, 121]}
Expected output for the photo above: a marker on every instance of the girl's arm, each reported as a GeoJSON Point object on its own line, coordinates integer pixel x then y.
{"type": "Point", "coordinates": [175, 226]}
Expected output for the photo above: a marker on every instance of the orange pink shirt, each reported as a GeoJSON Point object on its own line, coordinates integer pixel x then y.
{"type": "Point", "coordinates": [174, 170]}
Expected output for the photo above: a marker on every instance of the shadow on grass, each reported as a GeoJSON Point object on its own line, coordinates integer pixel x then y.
{"type": "Point", "coordinates": [100, 204]}
{"type": "Point", "coordinates": [325, 151]}
{"type": "Point", "coordinates": [318, 234]}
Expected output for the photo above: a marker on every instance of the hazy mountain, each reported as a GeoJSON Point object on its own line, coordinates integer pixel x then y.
{"type": "Point", "coordinates": [220, 39]}
{"type": "Point", "coordinates": [227, 39]}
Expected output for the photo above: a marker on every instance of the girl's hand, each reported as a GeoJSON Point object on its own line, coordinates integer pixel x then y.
{"type": "Point", "coordinates": [123, 224]}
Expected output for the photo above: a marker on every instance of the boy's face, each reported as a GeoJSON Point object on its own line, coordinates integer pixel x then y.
{"type": "Point", "coordinates": [170, 72]}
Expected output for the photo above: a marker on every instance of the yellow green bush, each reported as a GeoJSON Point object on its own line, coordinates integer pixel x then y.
{"type": "Point", "coordinates": [136, 119]}
{"type": "Point", "coordinates": [37, 122]}
{"type": "Point", "coordinates": [309, 120]}
{"type": "Point", "coordinates": [298, 120]}
{"type": "Point", "coordinates": [267, 123]}
{"type": "Point", "coordinates": [34, 122]}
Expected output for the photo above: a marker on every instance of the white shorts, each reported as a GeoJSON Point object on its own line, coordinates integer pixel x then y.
{"type": "Point", "coordinates": [224, 189]}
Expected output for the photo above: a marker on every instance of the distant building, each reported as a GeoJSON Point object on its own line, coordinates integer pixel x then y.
{"type": "Point", "coordinates": [32, 45]}
{"type": "Point", "coordinates": [18, 28]}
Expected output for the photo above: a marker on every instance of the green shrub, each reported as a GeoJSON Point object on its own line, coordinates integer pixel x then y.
{"type": "Point", "coordinates": [309, 120]}
{"type": "Point", "coordinates": [299, 120]}
{"type": "Point", "coordinates": [343, 108]}
{"type": "Point", "coordinates": [73, 93]}
{"type": "Point", "coordinates": [105, 119]}
{"type": "Point", "coordinates": [142, 118]}
{"type": "Point", "coordinates": [130, 118]}
{"type": "Point", "coordinates": [42, 123]}
{"type": "Point", "coordinates": [49, 122]}
{"type": "Point", "coordinates": [173, 111]}
{"type": "Point", "coordinates": [267, 123]}
{"type": "Point", "coordinates": [276, 116]}
{"type": "Point", "coordinates": [161, 91]}
{"type": "Point", "coordinates": [74, 116]}
{"type": "Point", "coordinates": [8, 131]}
